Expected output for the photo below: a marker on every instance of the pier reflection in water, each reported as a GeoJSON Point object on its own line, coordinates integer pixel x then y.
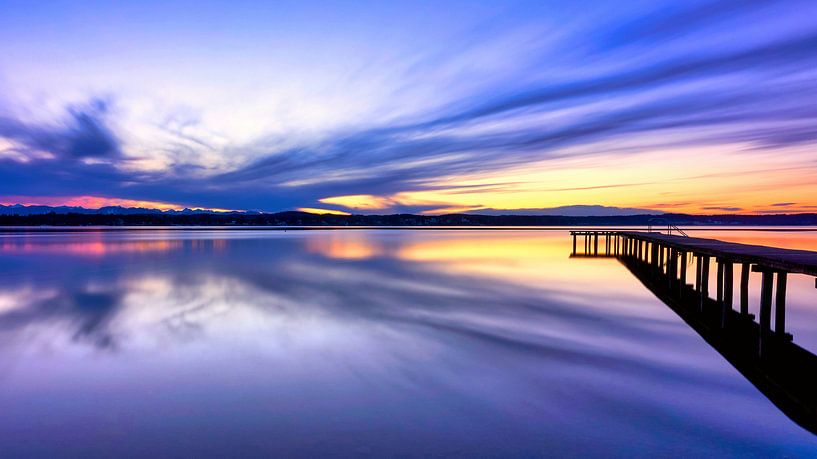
{"type": "Point", "coordinates": [783, 371]}
{"type": "Point", "coordinates": [314, 343]}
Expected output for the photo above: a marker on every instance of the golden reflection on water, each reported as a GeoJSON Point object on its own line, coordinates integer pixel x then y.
{"type": "Point", "coordinates": [533, 258]}
{"type": "Point", "coordinates": [349, 245]}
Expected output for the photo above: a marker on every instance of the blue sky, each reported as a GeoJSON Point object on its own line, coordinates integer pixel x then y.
{"type": "Point", "coordinates": [410, 106]}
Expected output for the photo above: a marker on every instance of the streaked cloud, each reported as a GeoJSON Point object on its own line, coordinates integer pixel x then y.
{"type": "Point", "coordinates": [313, 210]}
{"type": "Point", "coordinates": [664, 106]}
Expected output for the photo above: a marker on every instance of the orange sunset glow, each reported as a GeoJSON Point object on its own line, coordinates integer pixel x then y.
{"type": "Point", "coordinates": [96, 202]}
{"type": "Point", "coordinates": [696, 181]}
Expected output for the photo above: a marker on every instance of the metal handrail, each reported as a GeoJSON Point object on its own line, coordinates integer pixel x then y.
{"type": "Point", "coordinates": [680, 231]}
{"type": "Point", "coordinates": [664, 221]}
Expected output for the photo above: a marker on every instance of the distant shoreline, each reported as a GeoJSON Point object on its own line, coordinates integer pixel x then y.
{"type": "Point", "coordinates": [90, 229]}
{"type": "Point", "coordinates": [303, 220]}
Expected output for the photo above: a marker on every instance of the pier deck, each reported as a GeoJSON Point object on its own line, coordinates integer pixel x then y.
{"type": "Point", "coordinates": [792, 261]}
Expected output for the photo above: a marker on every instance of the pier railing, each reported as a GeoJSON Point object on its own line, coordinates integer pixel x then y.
{"type": "Point", "coordinates": [659, 222]}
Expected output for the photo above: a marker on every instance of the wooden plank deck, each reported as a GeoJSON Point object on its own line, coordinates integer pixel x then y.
{"type": "Point", "coordinates": [793, 261]}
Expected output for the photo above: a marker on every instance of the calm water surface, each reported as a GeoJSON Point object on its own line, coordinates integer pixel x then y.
{"type": "Point", "coordinates": [364, 342]}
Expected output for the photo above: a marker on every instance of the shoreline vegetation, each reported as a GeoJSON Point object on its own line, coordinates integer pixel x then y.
{"type": "Point", "coordinates": [303, 219]}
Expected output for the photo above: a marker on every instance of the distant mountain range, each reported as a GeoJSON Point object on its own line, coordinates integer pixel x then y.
{"type": "Point", "coordinates": [19, 209]}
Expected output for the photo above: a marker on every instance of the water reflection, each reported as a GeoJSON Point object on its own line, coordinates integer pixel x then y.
{"type": "Point", "coordinates": [349, 245]}
{"type": "Point", "coordinates": [355, 342]}
{"type": "Point", "coordinates": [99, 244]}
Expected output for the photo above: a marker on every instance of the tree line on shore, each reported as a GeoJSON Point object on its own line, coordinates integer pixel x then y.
{"type": "Point", "coordinates": [306, 219]}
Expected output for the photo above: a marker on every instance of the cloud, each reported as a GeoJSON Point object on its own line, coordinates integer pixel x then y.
{"type": "Point", "coordinates": [83, 135]}
{"type": "Point", "coordinates": [572, 211]}
{"type": "Point", "coordinates": [723, 208]}
{"type": "Point", "coordinates": [750, 91]}
{"type": "Point", "coordinates": [674, 21]}
{"type": "Point", "coordinates": [312, 210]}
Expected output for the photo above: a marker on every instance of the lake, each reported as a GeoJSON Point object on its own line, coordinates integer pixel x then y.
{"type": "Point", "coordinates": [228, 343]}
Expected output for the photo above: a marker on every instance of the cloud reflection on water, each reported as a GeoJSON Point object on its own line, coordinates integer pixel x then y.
{"type": "Point", "coordinates": [378, 331]}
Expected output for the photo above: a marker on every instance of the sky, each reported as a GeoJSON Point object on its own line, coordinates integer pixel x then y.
{"type": "Point", "coordinates": [410, 106]}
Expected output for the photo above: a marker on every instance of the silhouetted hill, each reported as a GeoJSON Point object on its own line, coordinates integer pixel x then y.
{"type": "Point", "coordinates": [19, 209]}
{"type": "Point", "coordinates": [292, 218]}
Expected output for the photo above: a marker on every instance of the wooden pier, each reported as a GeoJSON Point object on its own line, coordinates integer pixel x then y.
{"type": "Point", "coordinates": [781, 370]}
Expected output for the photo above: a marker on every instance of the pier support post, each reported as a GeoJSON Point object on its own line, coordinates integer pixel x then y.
{"type": "Point", "coordinates": [660, 258]}
{"type": "Point", "coordinates": [654, 256]}
{"type": "Point", "coordinates": [720, 281]}
{"type": "Point", "coordinates": [698, 271]}
{"type": "Point", "coordinates": [780, 304]}
{"type": "Point", "coordinates": [704, 280]}
{"type": "Point", "coordinates": [765, 310]}
{"type": "Point", "coordinates": [596, 243]}
{"type": "Point", "coordinates": [574, 243]}
{"type": "Point", "coordinates": [726, 300]}
{"type": "Point", "coordinates": [683, 270]}
{"type": "Point", "coordinates": [744, 288]}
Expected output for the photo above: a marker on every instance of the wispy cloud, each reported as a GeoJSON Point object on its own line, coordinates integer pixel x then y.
{"type": "Point", "coordinates": [609, 87]}
{"type": "Point", "coordinates": [84, 134]}
{"type": "Point", "coordinates": [723, 208]}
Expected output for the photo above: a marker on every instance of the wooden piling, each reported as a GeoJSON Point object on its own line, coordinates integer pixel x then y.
{"type": "Point", "coordinates": [744, 288]}
{"type": "Point", "coordinates": [660, 258]}
{"type": "Point", "coordinates": [728, 283]}
{"type": "Point", "coordinates": [720, 281]}
{"type": "Point", "coordinates": [780, 305]}
{"type": "Point", "coordinates": [726, 299]}
{"type": "Point", "coordinates": [765, 311]}
{"type": "Point", "coordinates": [704, 280]}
